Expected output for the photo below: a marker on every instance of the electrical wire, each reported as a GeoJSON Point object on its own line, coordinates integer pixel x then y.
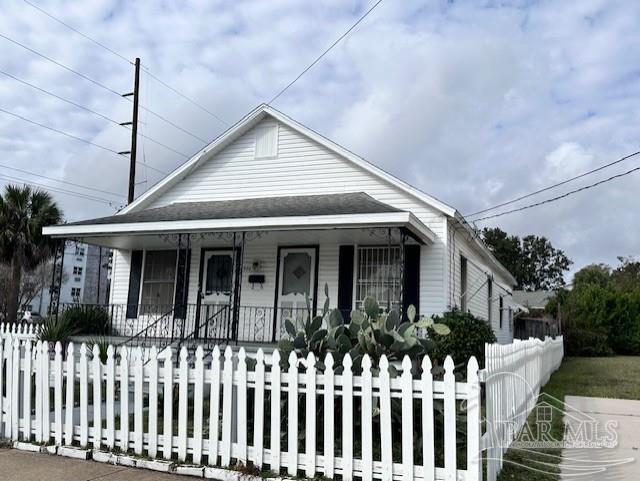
{"type": "Point", "coordinates": [80, 139]}
{"type": "Point", "coordinates": [122, 196]}
{"type": "Point", "coordinates": [77, 31]}
{"type": "Point", "coordinates": [87, 109]}
{"type": "Point", "coordinates": [100, 44]}
{"type": "Point", "coordinates": [310, 66]}
{"type": "Point", "coordinates": [566, 194]}
{"type": "Point", "coordinates": [103, 86]}
{"type": "Point", "coordinates": [579, 176]}
{"type": "Point", "coordinates": [81, 195]}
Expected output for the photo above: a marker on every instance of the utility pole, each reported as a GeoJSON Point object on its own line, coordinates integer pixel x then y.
{"type": "Point", "coordinates": [134, 132]}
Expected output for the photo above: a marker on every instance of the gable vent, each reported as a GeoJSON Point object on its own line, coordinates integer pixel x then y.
{"type": "Point", "coordinates": [266, 141]}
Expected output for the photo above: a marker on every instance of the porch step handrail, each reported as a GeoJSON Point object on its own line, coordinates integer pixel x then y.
{"type": "Point", "coordinates": [144, 332]}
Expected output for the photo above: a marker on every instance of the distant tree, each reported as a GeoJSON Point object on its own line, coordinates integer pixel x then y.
{"type": "Point", "coordinates": [598, 274]}
{"type": "Point", "coordinates": [627, 275]}
{"type": "Point", "coordinates": [23, 214]}
{"type": "Point", "coordinates": [532, 260]}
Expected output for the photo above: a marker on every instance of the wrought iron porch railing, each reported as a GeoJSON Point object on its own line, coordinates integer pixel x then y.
{"type": "Point", "coordinates": [163, 324]}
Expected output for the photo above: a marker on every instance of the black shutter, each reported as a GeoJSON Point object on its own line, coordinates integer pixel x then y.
{"type": "Point", "coordinates": [411, 287]}
{"type": "Point", "coordinates": [180, 302]}
{"type": "Point", "coordinates": [345, 281]}
{"type": "Point", "coordinates": [135, 276]}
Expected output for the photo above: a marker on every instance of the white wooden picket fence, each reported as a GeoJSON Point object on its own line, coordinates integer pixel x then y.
{"type": "Point", "coordinates": [222, 409]}
{"type": "Point", "coordinates": [513, 376]}
{"type": "Point", "coordinates": [21, 330]}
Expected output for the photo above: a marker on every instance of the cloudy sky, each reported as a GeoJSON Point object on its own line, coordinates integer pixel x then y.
{"type": "Point", "coordinates": [475, 102]}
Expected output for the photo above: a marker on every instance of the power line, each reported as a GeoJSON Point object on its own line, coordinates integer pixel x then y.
{"type": "Point", "coordinates": [177, 92]}
{"type": "Point", "coordinates": [310, 66]}
{"type": "Point", "coordinates": [100, 44]}
{"type": "Point", "coordinates": [81, 195]}
{"type": "Point", "coordinates": [579, 176]}
{"type": "Point", "coordinates": [77, 31]}
{"type": "Point", "coordinates": [87, 109]}
{"type": "Point", "coordinates": [66, 134]}
{"type": "Point", "coordinates": [122, 196]}
{"type": "Point", "coordinates": [567, 194]}
{"type": "Point", "coordinates": [61, 65]}
{"type": "Point", "coordinates": [103, 86]}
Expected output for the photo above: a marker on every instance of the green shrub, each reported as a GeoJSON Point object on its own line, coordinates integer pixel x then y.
{"type": "Point", "coordinates": [369, 332]}
{"type": "Point", "coordinates": [467, 337]}
{"type": "Point", "coordinates": [57, 329]}
{"type": "Point", "coordinates": [88, 319]}
{"type": "Point", "coordinates": [75, 321]}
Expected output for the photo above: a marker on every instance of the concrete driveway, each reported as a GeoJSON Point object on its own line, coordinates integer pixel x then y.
{"type": "Point", "coordinates": [25, 466]}
{"type": "Point", "coordinates": [602, 419]}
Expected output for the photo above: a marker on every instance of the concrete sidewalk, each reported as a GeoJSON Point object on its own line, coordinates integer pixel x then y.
{"type": "Point", "coordinates": [617, 463]}
{"type": "Point", "coordinates": [25, 466]}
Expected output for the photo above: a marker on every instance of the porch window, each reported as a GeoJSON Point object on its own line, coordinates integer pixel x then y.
{"type": "Point", "coordinates": [158, 282]}
{"type": "Point", "coordinates": [378, 276]}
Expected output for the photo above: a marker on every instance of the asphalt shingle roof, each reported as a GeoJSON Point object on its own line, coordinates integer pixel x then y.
{"type": "Point", "coordinates": [308, 205]}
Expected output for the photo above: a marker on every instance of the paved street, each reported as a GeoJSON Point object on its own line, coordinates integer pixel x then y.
{"type": "Point", "coordinates": [25, 466]}
{"type": "Point", "coordinates": [619, 463]}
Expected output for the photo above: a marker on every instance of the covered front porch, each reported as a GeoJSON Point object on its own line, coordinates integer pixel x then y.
{"type": "Point", "coordinates": [236, 279]}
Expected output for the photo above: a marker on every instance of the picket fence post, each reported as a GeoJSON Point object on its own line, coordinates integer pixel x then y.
{"type": "Point", "coordinates": [275, 411]}
{"type": "Point", "coordinates": [214, 406]}
{"type": "Point", "coordinates": [292, 415]}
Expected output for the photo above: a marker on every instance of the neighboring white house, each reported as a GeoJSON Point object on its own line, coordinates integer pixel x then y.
{"type": "Point", "coordinates": [232, 241]}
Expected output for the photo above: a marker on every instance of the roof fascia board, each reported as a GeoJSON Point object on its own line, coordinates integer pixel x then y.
{"type": "Point", "coordinates": [272, 223]}
{"type": "Point", "coordinates": [485, 250]}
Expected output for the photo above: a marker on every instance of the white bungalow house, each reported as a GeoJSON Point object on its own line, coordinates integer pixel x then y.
{"type": "Point", "coordinates": [233, 241]}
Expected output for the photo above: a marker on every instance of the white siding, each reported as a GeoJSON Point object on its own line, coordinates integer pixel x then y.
{"type": "Point", "coordinates": [120, 276]}
{"type": "Point", "coordinates": [303, 167]}
{"type": "Point", "coordinates": [478, 271]}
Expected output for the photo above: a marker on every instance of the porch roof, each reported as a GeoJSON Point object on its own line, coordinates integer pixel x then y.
{"type": "Point", "coordinates": [329, 211]}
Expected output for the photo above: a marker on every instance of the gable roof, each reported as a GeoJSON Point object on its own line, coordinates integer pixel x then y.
{"type": "Point", "coordinates": [244, 125]}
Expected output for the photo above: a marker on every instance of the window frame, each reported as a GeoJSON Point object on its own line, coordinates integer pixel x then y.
{"type": "Point", "coordinates": [489, 298]}
{"type": "Point", "coordinates": [356, 276]}
{"type": "Point", "coordinates": [501, 309]}
{"type": "Point", "coordinates": [258, 131]}
{"type": "Point", "coordinates": [464, 283]}
{"type": "Point", "coordinates": [142, 274]}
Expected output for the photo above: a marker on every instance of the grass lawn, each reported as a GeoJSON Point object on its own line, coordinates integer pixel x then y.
{"type": "Point", "coordinates": [609, 377]}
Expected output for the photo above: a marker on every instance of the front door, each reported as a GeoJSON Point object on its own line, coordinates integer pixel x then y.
{"type": "Point", "coordinates": [296, 281]}
{"type": "Point", "coordinates": [217, 290]}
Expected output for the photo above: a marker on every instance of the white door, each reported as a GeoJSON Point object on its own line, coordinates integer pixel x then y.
{"type": "Point", "coordinates": [296, 281]}
{"type": "Point", "coordinates": [217, 290]}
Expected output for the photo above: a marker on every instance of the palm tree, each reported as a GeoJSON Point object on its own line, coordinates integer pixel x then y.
{"type": "Point", "coordinates": [23, 213]}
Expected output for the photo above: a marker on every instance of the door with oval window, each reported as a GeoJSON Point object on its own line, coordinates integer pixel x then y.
{"type": "Point", "coordinates": [217, 292]}
{"type": "Point", "coordinates": [296, 281]}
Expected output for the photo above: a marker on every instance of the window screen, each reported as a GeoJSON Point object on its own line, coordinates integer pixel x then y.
{"type": "Point", "coordinates": [219, 274]}
{"type": "Point", "coordinates": [158, 281]}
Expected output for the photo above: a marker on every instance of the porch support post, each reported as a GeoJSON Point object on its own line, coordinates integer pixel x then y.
{"type": "Point", "coordinates": [62, 247]}
{"type": "Point", "coordinates": [185, 281]}
{"type": "Point", "coordinates": [99, 274]}
{"type": "Point", "coordinates": [53, 279]}
{"type": "Point", "coordinates": [389, 270]}
{"type": "Point", "coordinates": [401, 262]}
{"type": "Point", "coordinates": [234, 278]}
{"type": "Point", "coordinates": [238, 289]}
{"type": "Point", "coordinates": [173, 321]}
